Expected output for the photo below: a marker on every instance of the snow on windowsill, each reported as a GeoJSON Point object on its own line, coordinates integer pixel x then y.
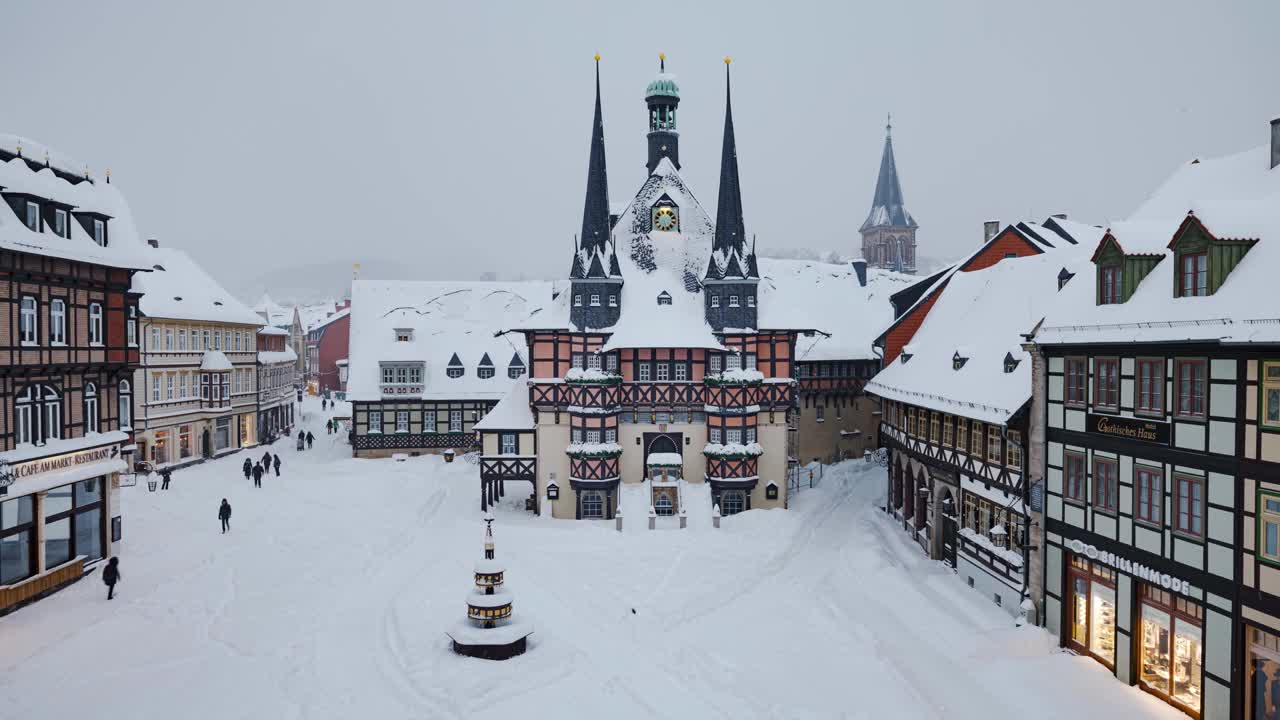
{"type": "Point", "coordinates": [1014, 559]}
{"type": "Point", "coordinates": [733, 450]}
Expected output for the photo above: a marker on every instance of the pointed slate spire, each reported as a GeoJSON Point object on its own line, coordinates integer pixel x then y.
{"type": "Point", "coordinates": [595, 210]}
{"type": "Point", "coordinates": [597, 267]}
{"type": "Point", "coordinates": [454, 361]}
{"type": "Point", "coordinates": [576, 270]}
{"type": "Point", "coordinates": [485, 361]}
{"type": "Point", "coordinates": [730, 230]}
{"type": "Point", "coordinates": [887, 207]}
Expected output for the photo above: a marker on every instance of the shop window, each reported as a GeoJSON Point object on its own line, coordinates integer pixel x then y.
{"type": "Point", "coordinates": [1190, 388]}
{"type": "Point", "coordinates": [1077, 372]}
{"type": "Point", "coordinates": [1150, 386]}
{"type": "Point", "coordinates": [1073, 476]}
{"type": "Point", "coordinates": [1171, 647]}
{"type": "Point", "coordinates": [1188, 501]}
{"type": "Point", "coordinates": [73, 522]}
{"type": "Point", "coordinates": [1105, 490]}
{"type": "Point", "coordinates": [1270, 389]}
{"type": "Point", "coordinates": [222, 434]}
{"type": "Point", "coordinates": [1092, 608]}
{"type": "Point", "coordinates": [1262, 674]}
{"type": "Point", "coordinates": [17, 538]}
{"type": "Point", "coordinates": [1106, 387]}
{"type": "Point", "coordinates": [1148, 487]}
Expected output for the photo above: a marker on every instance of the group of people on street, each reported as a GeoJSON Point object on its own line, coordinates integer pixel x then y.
{"type": "Point", "coordinates": [305, 439]}
{"type": "Point", "coordinates": [257, 469]}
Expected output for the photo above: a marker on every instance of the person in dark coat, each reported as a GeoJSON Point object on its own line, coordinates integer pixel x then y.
{"type": "Point", "coordinates": [247, 468]}
{"type": "Point", "coordinates": [257, 474]}
{"type": "Point", "coordinates": [266, 459]}
{"type": "Point", "coordinates": [111, 576]}
{"type": "Point", "coordinates": [310, 439]}
{"type": "Point", "coordinates": [323, 403]}
{"type": "Point", "coordinates": [166, 475]}
{"type": "Point", "coordinates": [276, 460]}
{"type": "Point", "coordinates": [224, 514]}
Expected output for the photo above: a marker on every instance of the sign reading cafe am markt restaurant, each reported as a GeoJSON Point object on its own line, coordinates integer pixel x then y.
{"type": "Point", "coordinates": [57, 462]}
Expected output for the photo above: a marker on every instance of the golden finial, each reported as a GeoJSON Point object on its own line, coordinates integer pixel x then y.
{"type": "Point", "coordinates": [19, 148]}
{"type": "Point", "coordinates": [46, 158]}
{"type": "Point", "coordinates": [727, 60]}
{"type": "Point", "coordinates": [86, 172]}
{"type": "Point", "coordinates": [662, 56]}
{"type": "Point", "coordinates": [108, 174]}
{"type": "Point", "coordinates": [597, 57]}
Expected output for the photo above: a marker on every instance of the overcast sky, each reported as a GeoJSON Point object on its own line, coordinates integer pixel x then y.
{"type": "Point", "coordinates": [279, 142]}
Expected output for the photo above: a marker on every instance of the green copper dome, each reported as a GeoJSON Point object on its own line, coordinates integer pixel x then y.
{"type": "Point", "coordinates": [664, 85]}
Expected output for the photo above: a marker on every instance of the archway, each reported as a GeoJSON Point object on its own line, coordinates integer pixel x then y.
{"type": "Point", "coordinates": [921, 500]}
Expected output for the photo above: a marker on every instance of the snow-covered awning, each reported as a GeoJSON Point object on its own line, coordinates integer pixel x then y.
{"type": "Point", "coordinates": [215, 361]}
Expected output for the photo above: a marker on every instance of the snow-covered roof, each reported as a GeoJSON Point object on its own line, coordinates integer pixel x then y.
{"type": "Point", "coordinates": [270, 357]}
{"type": "Point", "coordinates": [329, 319]}
{"type": "Point", "coordinates": [446, 319]}
{"type": "Point", "coordinates": [274, 313]}
{"type": "Point", "coordinates": [98, 196]}
{"type": "Point", "coordinates": [982, 316]}
{"type": "Point", "coordinates": [272, 330]}
{"type": "Point", "coordinates": [827, 297]}
{"type": "Point", "coordinates": [1235, 197]}
{"type": "Point", "coordinates": [215, 360]}
{"type": "Point", "coordinates": [312, 315]}
{"type": "Point", "coordinates": [179, 289]}
{"type": "Point", "coordinates": [512, 412]}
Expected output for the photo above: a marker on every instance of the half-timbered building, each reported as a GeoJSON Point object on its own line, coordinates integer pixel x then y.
{"type": "Point", "coordinates": [68, 346]}
{"type": "Point", "coordinates": [277, 364]}
{"type": "Point", "coordinates": [956, 415]}
{"type": "Point", "coordinates": [425, 364]}
{"type": "Point", "coordinates": [657, 372]}
{"type": "Point", "coordinates": [1161, 394]}
{"type": "Point", "coordinates": [197, 387]}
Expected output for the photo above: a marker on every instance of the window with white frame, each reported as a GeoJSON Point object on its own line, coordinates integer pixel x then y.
{"type": "Point", "coordinates": [611, 363]}
{"type": "Point", "coordinates": [751, 435]}
{"type": "Point", "coordinates": [733, 435]}
{"type": "Point", "coordinates": [575, 435]}
{"type": "Point", "coordinates": [429, 421]}
{"type": "Point", "coordinates": [593, 436]}
{"type": "Point", "coordinates": [713, 435]}
{"type": "Point", "coordinates": [644, 372]}
{"type": "Point", "coordinates": [715, 301]}
{"type": "Point", "coordinates": [23, 418]}
{"type": "Point", "coordinates": [749, 361]}
{"type": "Point", "coordinates": [402, 421]}
{"type": "Point", "coordinates": [713, 364]}
{"type": "Point", "coordinates": [100, 232]}
{"type": "Point", "coordinates": [33, 216]}
{"type": "Point", "coordinates": [27, 322]}
{"type": "Point", "coordinates": [751, 301]}
{"type": "Point", "coordinates": [577, 300]}
{"type": "Point", "coordinates": [664, 371]}
{"type": "Point", "coordinates": [611, 435]}
{"type": "Point", "coordinates": [595, 300]}
{"type": "Point", "coordinates": [124, 399]}
{"type": "Point", "coordinates": [575, 360]}
{"type": "Point", "coordinates": [91, 408]}
{"type": "Point", "coordinates": [58, 321]}
{"type": "Point", "coordinates": [508, 443]}
{"type": "Point", "coordinates": [455, 421]}
{"type": "Point", "coordinates": [168, 339]}
{"type": "Point", "coordinates": [593, 361]}
{"type": "Point", "coordinates": [375, 421]}
{"type": "Point", "coordinates": [182, 339]}
{"type": "Point", "coordinates": [404, 335]}
{"type": "Point", "coordinates": [95, 323]}
{"type": "Point", "coordinates": [733, 361]}
{"type": "Point", "coordinates": [131, 326]}
{"type": "Point", "coordinates": [51, 425]}
{"type": "Point", "coordinates": [681, 371]}
{"type": "Point", "coordinates": [1269, 525]}
{"type": "Point", "coordinates": [184, 391]}
{"type": "Point", "coordinates": [168, 386]}
{"type": "Point", "coordinates": [613, 301]}
{"type": "Point", "coordinates": [60, 223]}
{"type": "Point", "coordinates": [733, 301]}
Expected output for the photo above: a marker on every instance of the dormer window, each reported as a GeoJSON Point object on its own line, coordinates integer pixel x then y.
{"type": "Point", "coordinates": [733, 301]}
{"type": "Point", "coordinates": [485, 369]}
{"type": "Point", "coordinates": [577, 300]}
{"type": "Point", "coordinates": [958, 361]}
{"type": "Point", "coordinates": [60, 223]}
{"type": "Point", "coordinates": [33, 216]}
{"type": "Point", "coordinates": [1110, 284]}
{"type": "Point", "coordinates": [1064, 276]}
{"type": "Point", "coordinates": [664, 298]}
{"type": "Point", "coordinates": [402, 378]}
{"type": "Point", "coordinates": [1193, 274]}
{"type": "Point", "coordinates": [613, 301]}
{"type": "Point", "coordinates": [1010, 362]}
{"type": "Point", "coordinates": [715, 301]}
{"type": "Point", "coordinates": [595, 300]}
{"type": "Point", "coordinates": [100, 231]}
{"type": "Point", "coordinates": [906, 356]}
{"type": "Point", "coordinates": [515, 368]}
{"type": "Point", "coordinates": [455, 369]}
{"type": "Point", "coordinates": [404, 335]}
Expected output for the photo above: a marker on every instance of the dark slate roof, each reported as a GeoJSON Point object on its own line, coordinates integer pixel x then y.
{"type": "Point", "coordinates": [887, 207]}
{"type": "Point", "coordinates": [595, 210]}
{"type": "Point", "coordinates": [454, 361]}
{"type": "Point", "coordinates": [485, 361]}
{"type": "Point", "coordinates": [730, 230]}
{"type": "Point", "coordinates": [516, 360]}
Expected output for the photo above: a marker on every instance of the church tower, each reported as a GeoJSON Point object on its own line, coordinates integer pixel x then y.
{"type": "Point", "coordinates": [595, 278]}
{"type": "Point", "coordinates": [732, 275]}
{"type": "Point", "coordinates": [889, 232]}
{"type": "Point", "coordinates": [663, 96]}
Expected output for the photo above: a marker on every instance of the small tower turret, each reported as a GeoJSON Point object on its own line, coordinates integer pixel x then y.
{"type": "Point", "coordinates": [663, 97]}
{"type": "Point", "coordinates": [595, 277]}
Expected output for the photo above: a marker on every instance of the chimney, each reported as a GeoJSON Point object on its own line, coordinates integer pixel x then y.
{"type": "Point", "coordinates": [1275, 143]}
{"type": "Point", "coordinates": [990, 229]}
{"type": "Point", "coordinates": [153, 243]}
{"type": "Point", "coordinates": [860, 269]}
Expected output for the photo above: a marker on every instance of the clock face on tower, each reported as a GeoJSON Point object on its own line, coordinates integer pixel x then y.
{"type": "Point", "coordinates": [665, 219]}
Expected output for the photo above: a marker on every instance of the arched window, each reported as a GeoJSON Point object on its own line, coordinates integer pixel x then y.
{"type": "Point", "coordinates": [51, 425]}
{"type": "Point", "coordinates": [732, 502]}
{"type": "Point", "coordinates": [663, 505]}
{"type": "Point", "coordinates": [90, 408]}
{"type": "Point", "coordinates": [124, 397]}
{"type": "Point", "coordinates": [592, 505]}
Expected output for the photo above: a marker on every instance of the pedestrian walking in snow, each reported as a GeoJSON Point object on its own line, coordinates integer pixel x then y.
{"type": "Point", "coordinates": [224, 514]}
{"type": "Point", "coordinates": [166, 475]}
{"type": "Point", "coordinates": [322, 403]}
{"type": "Point", "coordinates": [266, 459]}
{"type": "Point", "coordinates": [257, 474]}
{"type": "Point", "coordinates": [247, 467]}
{"type": "Point", "coordinates": [310, 439]}
{"type": "Point", "coordinates": [276, 460]}
{"type": "Point", "coordinates": [111, 576]}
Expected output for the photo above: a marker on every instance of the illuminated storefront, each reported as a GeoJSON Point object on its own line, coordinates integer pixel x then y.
{"type": "Point", "coordinates": [1092, 605]}
{"type": "Point", "coordinates": [1172, 640]}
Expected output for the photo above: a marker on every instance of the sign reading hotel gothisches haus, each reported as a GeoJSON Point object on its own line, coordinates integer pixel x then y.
{"type": "Point", "coordinates": [1128, 428]}
{"type": "Point", "coordinates": [59, 462]}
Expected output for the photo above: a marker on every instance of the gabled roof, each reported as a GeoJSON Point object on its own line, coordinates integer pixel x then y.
{"type": "Point", "coordinates": [512, 412]}
{"type": "Point", "coordinates": [887, 206]}
{"type": "Point", "coordinates": [179, 289]}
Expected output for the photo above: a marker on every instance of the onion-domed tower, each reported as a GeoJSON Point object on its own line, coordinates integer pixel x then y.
{"type": "Point", "coordinates": [663, 96]}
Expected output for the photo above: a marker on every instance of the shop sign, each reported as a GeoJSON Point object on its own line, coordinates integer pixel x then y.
{"type": "Point", "coordinates": [33, 468]}
{"type": "Point", "coordinates": [1037, 497]}
{"type": "Point", "coordinates": [1129, 567]}
{"type": "Point", "coordinates": [1128, 428]}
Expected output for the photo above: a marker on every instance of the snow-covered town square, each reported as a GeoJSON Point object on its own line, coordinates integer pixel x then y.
{"type": "Point", "coordinates": [562, 360]}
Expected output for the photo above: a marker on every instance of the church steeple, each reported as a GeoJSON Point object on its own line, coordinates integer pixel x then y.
{"type": "Point", "coordinates": [730, 231]}
{"type": "Point", "coordinates": [889, 232]}
{"type": "Point", "coordinates": [595, 210]}
{"type": "Point", "coordinates": [662, 98]}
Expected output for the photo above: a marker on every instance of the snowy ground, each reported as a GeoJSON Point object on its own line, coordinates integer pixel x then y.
{"type": "Point", "coordinates": [330, 596]}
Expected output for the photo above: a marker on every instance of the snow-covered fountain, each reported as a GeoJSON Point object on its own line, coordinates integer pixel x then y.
{"type": "Point", "coordinates": [489, 631]}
